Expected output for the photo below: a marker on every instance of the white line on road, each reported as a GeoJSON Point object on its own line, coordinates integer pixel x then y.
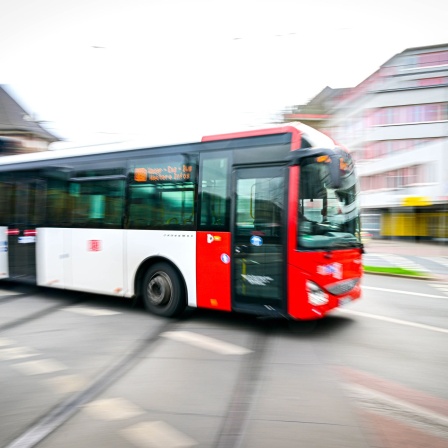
{"type": "Point", "coordinates": [394, 321]}
{"type": "Point", "coordinates": [16, 353]}
{"type": "Point", "coordinates": [157, 434]}
{"type": "Point", "coordinates": [443, 287]}
{"type": "Point", "coordinates": [199, 340]}
{"type": "Point", "coordinates": [39, 367]}
{"type": "Point", "coordinates": [403, 262]}
{"type": "Point", "coordinates": [113, 409]}
{"type": "Point", "coordinates": [410, 293]}
{"type": "Point", "coordinates": [5, 341]}
{"type": "Point", "coordinates": [90, 311]}
{"type": "Point", "coordinates": [65, 384]}
{"type": "Point", "coordinates": [417, 416]}
{"type": "Point", "coordinates": [6, 293]}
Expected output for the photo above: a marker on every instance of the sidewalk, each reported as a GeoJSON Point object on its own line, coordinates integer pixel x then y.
{"type": "Point", "coordinates": [397, 247]}
{"type": "Point", "coordinates": [411, 249]}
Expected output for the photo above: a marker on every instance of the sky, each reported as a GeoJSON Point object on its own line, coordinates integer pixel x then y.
{"type": "Point", "coordinates": [94, 71]}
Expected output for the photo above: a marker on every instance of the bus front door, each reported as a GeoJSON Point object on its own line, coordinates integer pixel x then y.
{"type": "Point", "coordinates": [258, 243]}
{"type": "Point", "coordinates": [27, 208]}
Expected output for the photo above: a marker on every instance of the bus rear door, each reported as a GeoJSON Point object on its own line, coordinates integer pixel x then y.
{"type": "Point", "coordinates": [27, 207]}
{"type": "Point", "coordinates": [259, 241]}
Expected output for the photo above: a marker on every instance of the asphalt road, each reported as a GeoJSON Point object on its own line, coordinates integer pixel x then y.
{"type": "Point", "coordinates": [83, 370]}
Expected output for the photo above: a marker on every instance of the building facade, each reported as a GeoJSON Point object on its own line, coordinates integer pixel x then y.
{"type": "Point", "coordinates": [395, 123]}
{"type": "Point", "coordinates": [19, 133]}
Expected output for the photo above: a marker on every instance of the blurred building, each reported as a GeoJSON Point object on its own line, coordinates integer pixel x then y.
{"type": "Point", "coordinates": [395, 123]}
{"type": "Point", "coordinates": [19, 132]}
{"type": "Point", "coordinates": [317, 112]}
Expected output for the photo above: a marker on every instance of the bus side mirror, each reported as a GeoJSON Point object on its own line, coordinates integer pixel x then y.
{"type": "Point", "coordinates": [335, 172]}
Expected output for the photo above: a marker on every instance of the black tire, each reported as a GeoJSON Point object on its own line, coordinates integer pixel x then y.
{"type": "Point", "coordinates": [163, 291]}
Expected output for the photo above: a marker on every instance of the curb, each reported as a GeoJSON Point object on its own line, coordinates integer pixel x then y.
{"type": "Point", "coordinates": [415, 277]}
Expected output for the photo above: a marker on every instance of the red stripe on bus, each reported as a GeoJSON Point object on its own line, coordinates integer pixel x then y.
{"type": "Point", "coordinates": [213, 270]}
{"type": "Point", "coordinates": [295, 283]}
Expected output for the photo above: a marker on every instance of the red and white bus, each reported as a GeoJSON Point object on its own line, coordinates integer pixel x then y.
{"type": "Point", "coordinates": [263, 222]}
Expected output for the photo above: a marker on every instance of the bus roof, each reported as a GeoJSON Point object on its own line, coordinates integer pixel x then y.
{"type": "Point", "coordinates": [298, 130]}
{"type": "Point", "coordinates": [296, 134]}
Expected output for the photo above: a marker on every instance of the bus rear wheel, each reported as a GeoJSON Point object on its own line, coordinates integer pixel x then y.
{"type": "Point", "coordinates": [163, 292]}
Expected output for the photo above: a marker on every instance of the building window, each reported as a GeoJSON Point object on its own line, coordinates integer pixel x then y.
{"type": "Point", "coordinates": [418, 113]}
{"type": "Point", "coordinates": [432, 59]}
{"type": "Point", "coordinates": [365, 183]}
{"type": "Point", "coordinates": [425, 82]}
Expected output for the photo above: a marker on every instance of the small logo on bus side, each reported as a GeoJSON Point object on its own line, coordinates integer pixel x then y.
{"type": "Point", "coordinates": [3, 246]}
{"type": "Point", "coordinates": [211, 238]}
{"type": "Point", "coordinates": [225, 258]}
{"type": "Point", "coordinates": [94, 245]}
{"type": "Point", "coordinates": [26, 239]}
{"type": "Point", "coordinates": [334, 269]}
{"type": "Point", "coordinates": [256, 240]}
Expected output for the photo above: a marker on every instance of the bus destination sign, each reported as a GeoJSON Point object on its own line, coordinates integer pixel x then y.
{"type": "Point", "coordinates": [166, 173]}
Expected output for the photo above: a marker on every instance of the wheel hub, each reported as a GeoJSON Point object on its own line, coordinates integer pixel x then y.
{"type": "Point", "coordinates": [160, 289]}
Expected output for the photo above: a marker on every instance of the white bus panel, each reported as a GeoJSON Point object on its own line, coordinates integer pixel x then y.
{"type": "Point", "coordinates": [177, 246]}
{"type": "Point", "coordinates": [106, 261]}
{"type": "Point", "coordinates": [4, 271]}
{"type": "Point", "coordinates": [52, 257]}
{"type": "Point", "coordinates": [88, 260]}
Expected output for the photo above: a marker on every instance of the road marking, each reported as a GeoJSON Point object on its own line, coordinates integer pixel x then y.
{"type": "Point", "coordinates": [417, 416]}
{"type": "Point", "coordinates": [66, 384]}
{"type": "Point", "coordinates": [66, 409]}
{"type": "Point", "coordinates": [4, 342]}
{"type": "Point", "coordinates": [5, 293]}
{"type": "Point", "coordinates": [410, 293]}
{"type": "Point", "coordinates": [39, 367]}
{"type": "Point", "coordinates": [403, 262]}
{"type": "Point", "coordinates": [113, 409]}
{"type": "Point", "coordinates": [440, 260]}
{"type": "Point", "coordinates": [157, 435]}
{"type": "Point", "coordinates": [392, 320]}
{"type": "Point", "coordinates": [90, 311]}
{"type": "Point", "coordinates": [441, 286]}
{"type": "Point", "coordinates": [201, 341]}
{"type": "Point", "coordinates": [16, 353]}
{"type": "Point", "coordinates": [395, 390]}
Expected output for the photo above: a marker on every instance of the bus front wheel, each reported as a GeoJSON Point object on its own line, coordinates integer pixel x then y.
{"type": "Point", "coordinates": [163, 293]}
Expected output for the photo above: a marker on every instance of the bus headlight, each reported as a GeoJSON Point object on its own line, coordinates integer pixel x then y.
{"type": "Point", "coordinates": [316, 295]}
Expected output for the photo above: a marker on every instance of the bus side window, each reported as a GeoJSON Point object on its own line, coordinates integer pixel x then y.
{"type": "Point", "coordinates": [58, 204]}
{"type": "Point", "coordinates": [5, 202]}
{"type": "Point", "coordinates": [97, 203]}
{"type": "Point", "coordinates": [214, 203]}
{"type": "Point", "coordinates": [22, 200]}
{"type": "Point", "coordinates": [142, 206]}
{"type": "Point", "coordinates": [36, 202]}
{"type": "Point", "coordinates": [162, 192]}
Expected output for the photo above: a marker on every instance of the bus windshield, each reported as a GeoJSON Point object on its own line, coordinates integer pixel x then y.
{"type": "Point", "coordinates": [328, 217]}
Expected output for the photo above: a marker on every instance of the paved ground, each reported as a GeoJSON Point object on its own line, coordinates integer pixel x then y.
{"type": "Point", "coordinates": [407, 248]}
{"type": "Point", "coordinates": [430, 259]}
